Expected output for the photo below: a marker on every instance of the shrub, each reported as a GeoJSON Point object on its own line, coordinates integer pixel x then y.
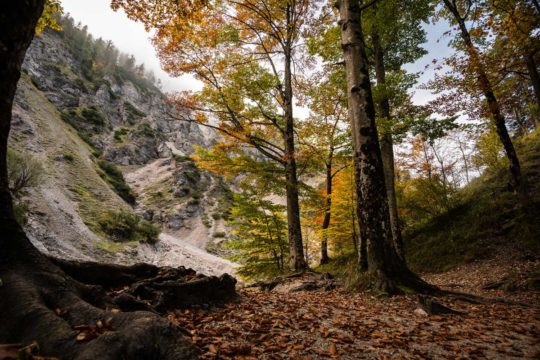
{"type": "Point", "coordinates": [68, 157]}
{"type": "Point", "coordinates": [119, 133]}
{"type": "Point", "coordinates": [20, 211]}
{"type": "Point", "coordinates": [114, 176]}
{"type": "Point", "coordinates": [219, 234]}
{"type": "Point", "coordinates": [89, 115]}
{"type": "Point", "coordinates": [133, 114]}
{"type": "Point", "coordinates": [24, 171]}
{"type": "Point", "coordinates": [148, 231]}
{"type": "Point", "coordinates": [93, 116]}
{"type": "Point", "coordinates": [125, 226]}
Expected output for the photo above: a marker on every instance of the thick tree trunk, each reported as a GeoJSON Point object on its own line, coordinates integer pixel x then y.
{"type": "Point", "coordinates": [535, 81]}
{"type": "Point", "coordinates": [327, 214]}
{"type": "Point", "coordinates": [40, 303]}
{"type": "Point", "coordinates": [384, 265]}
{"type": "Point", "coordinates": [17, 24]}
{"type": "Point", "coordinates": [493, 105]}
{"type": "Point", "coordinates": [297, 261]}
{"type": "Point", "coordinates": [387, 148]}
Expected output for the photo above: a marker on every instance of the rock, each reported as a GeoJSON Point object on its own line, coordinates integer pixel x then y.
{"type": "Point", "coordinates": [148, 215]}
{"type": "Point", "coordinates": [176, 222]}
{"type": "Point", "coordinates": [420, 312]}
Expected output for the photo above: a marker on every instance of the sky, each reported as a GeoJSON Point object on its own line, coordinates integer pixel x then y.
{"type": "Point", "coordinates": [131, 38]}
{"type": "Point", "coordinates": [127, 35]}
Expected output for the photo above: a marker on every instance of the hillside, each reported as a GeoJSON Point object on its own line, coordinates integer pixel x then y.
{"type": "Point", "coordinates": [99, 137]}
{"type": "Point", "coordinates": [486, 221]}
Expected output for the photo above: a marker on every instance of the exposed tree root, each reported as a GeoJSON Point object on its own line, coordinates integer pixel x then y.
{"type": "Point", "coordinates": [69, 319]}
{"type": "Point", "coordinates": [159, 288]}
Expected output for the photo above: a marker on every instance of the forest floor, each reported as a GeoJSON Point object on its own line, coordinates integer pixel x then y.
{"type": "Point", "coordinates": [342, 325]}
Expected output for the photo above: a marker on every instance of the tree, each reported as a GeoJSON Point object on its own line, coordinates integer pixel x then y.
{"type": "Point", "coordinates": [244, 57]}
{"type": "Point", "coordinates": [343, 229]}
{"type": "Point", "coordinates": [44, 300]}
{"type": "Point", "coordinates": [459, 12]}
{"type": "Point", "coordinates": [383, 263]}
{"type": "Point", "coordinates": [395, 37]}
{"type": "Point", "coordinates": [259, 235]}
{"type": "Point", "coordinates": [516, 26]}
{"type": "Point", "coordinates": [324, 136]}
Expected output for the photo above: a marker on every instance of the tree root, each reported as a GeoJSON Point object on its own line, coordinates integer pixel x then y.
{"type": "Point", "coordinates": [148, 287]}
{"type": "Point", "coordinates": [64, 308]}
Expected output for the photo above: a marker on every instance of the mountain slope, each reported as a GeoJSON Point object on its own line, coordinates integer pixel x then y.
{"type": "Point", "coordinates": [86, 128]}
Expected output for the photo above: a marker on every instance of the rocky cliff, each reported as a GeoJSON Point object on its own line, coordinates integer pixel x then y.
{"type": "Point", "coordinates": [112, 151]}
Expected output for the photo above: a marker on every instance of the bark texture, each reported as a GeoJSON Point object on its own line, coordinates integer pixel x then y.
{"type": "Point", "coordinates": [387, 269]}
{"type": "Point", "coordinates": [535, 81]}
{"type": "Point", "coordinates": [387, 149]}
{"type": "Point", "coordinates": [298, 261]}
{"type": "Point", "coordinates": [327, 212]}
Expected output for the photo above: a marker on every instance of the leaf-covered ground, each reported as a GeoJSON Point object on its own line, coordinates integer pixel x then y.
{"type": "Point", "coordinates": [341, 325]}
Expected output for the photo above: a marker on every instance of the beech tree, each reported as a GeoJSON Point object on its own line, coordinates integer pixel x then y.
{"type": "Point", "coordinates": [324, 138]}
{"type": "Point", "coordinates": [395, 36]}
{"type": "Point", "coordinates": [244, 56]}
{"type": "Point", "coordinates": [382, 262]}
{"type": "Point", "coordinates": [460, 12]}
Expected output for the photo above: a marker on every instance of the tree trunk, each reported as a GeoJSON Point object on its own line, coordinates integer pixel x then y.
{"type": "Point", "coordinates": [493, 104]}
{"type": "Point", "coordinates": [298, 261]}
{"type": "Point", "coordinates": [535, 81]}
{"type": "Point", "coordinates": [40, 303]}
{"type": "Point", "coordinates": [327, 213]}
{"type": "Point", "coordinates": [387, 149]}
{"type": "Point", "coordinates": [387, 269]}
{"type": "Point", "coordinates": [17, 26]}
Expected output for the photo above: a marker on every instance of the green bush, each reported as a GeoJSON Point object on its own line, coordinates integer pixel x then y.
{"type": "Point", "coordinates": [124, 226]}
{"type": "Point", "coordinates": [219, 234]}
{"type": "Point", "coordinates": [89, 115]}
{"type": "Point", "coordinates": [115, 178]}
{"type": "Point", "coordinates": [133, 114]}
{"type": "Point", "coordinates": [24, 171]}
{"type": "Point", "coordinates": [148, 231]}
{"type": "Point", "coordinates": [93, 116]}
{"type": "Point", "coordinates": [68, 157]}
{"type": "Point", "coordinates": [20, 209]}
{"type": "Point", "coordinates": [119, 133]}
